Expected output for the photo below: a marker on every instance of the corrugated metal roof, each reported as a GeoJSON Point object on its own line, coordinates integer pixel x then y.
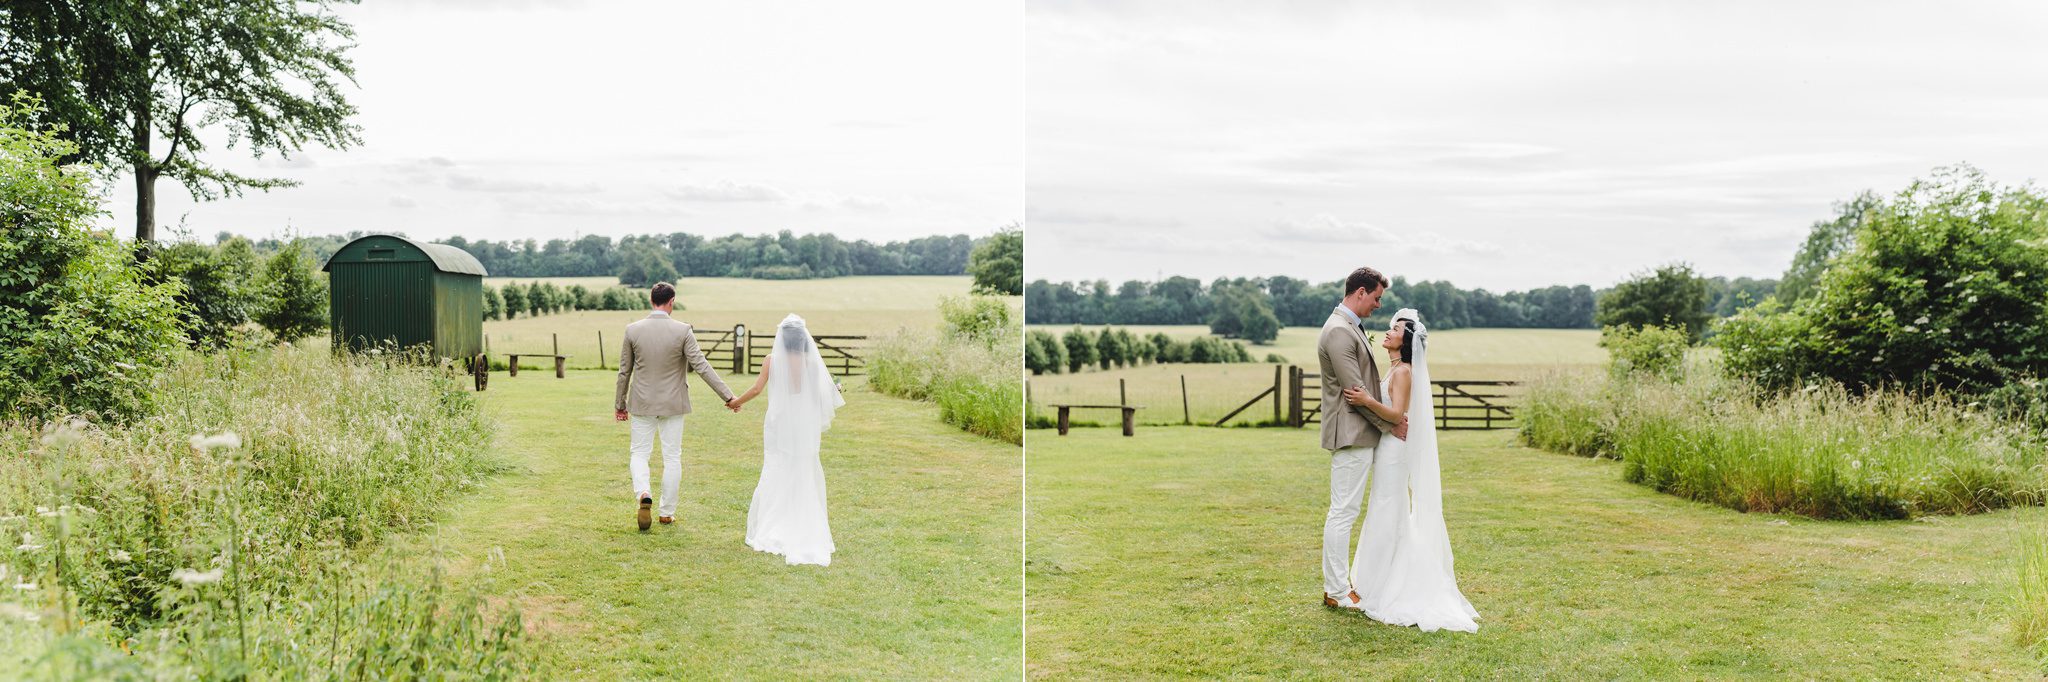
{"type": "Point", "coordinates": [446, 258]}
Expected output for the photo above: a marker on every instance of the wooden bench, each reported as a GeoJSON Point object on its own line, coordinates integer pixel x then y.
{"type": "Point", "coordinates": [1130, 415]}
{"type": "Point", "coordinates": [512, 362]}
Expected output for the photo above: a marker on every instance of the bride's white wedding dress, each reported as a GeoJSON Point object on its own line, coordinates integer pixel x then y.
{"type": "Point", "coordinates": [787, 516]}
{"type": "Point", "coordinates": [1403, 568]}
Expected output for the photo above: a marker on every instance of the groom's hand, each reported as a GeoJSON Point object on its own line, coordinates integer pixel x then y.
{"type": "Point", "coordinates": [618, 415]}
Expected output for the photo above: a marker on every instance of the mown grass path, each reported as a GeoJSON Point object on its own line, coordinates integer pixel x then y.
{"type": "Point", "coordinates": [924, 584]}
{"type": "Point", "coordinates": [1190, 551]}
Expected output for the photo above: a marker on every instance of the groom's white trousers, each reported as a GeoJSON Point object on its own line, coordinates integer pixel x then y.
{"type": "Point", "coordinates": [1348, 473]}
{"type": "Point", "coordinates": [671, 430]}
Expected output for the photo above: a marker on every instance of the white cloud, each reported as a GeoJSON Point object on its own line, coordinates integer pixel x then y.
{"type": "Point", "coordinates": [727, 190]}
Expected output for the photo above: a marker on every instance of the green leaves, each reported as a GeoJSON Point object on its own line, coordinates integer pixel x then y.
{"type": "Point", "coordinates": [1941, 286]}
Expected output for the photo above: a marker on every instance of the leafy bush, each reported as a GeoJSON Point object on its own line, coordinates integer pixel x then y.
{"type": "Point", "coordinates": [294, 295]}
{"type": "Point", "coordinates": [80, 330]}
{"type": "Point", "coordinates": [1671, 296]}
{"type": "Point", "coordinates": [1945, 287]}
{"type": "Point", "coordinates": [1653, 350]}
{"type": "Point", "coordinates": [220, 291]}
{"type": "Point", "coordinates": [986, 319]}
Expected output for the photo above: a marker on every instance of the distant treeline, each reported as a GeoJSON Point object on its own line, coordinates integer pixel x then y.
{"type": "Point", "coordinates": [642, 260]}
{"type": "Point", "coordinates": [1240, 306]}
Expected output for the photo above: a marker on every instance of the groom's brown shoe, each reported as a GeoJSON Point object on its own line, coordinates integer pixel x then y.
{"type": "Point", "coordinates": [646, 518]}
{"type": "Point", "coordinates": [1333, 603]}
{"type": "Point", "coordinates": [666, 520]}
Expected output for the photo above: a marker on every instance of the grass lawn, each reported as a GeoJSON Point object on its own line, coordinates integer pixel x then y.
{"type": "Point", "coordinates": [1214, 390]}
{"type": "Point", "coordinates": [1194, 552]}
{"type": "Point", "coordinates": [924, 584]}
{"type": "Point", "coordinates": [867, 306]}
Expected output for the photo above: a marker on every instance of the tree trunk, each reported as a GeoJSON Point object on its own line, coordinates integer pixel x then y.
{"type": "Point", "coordinates": [145, 203]}
{"type": "Point", "coordinates": [145, 167]}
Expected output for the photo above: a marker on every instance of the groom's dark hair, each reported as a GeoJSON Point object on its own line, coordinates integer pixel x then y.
{"type": "Point", "coordinates": [663, 292]}
{"type": "Point", "coordinates": [1364, 278]}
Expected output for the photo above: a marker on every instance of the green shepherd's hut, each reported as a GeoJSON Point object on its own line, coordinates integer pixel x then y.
{"type": "Point", "coordinates": [388, 289]}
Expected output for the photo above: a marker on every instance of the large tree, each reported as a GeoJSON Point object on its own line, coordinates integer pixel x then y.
{"type": "Point", "coordinates": [135, 81]}
{"type": "Point", "coordinates": [998, 264]}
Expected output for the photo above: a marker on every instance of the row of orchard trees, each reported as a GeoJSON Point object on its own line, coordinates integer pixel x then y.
{"type": "Point", "coordinates": [1079, 348]}
{"type": "Point", "coordinates": [545, 298]}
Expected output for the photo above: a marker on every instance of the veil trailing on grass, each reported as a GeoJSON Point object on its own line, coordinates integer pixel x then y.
{"type": "Point", "coordinates": [1420, 588]}
{"type": "Point", "coordinates": [787, 516]}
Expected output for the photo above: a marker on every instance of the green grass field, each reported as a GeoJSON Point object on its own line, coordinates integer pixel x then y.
{"type": "Point", "coordinates": [864, 306]}
{"type": "Point", "coordinates": [1214, 390]}
{"type": "Point", "coordinates": [924, 584]}
{"type": "Point", "coordinates": [1194, 552]}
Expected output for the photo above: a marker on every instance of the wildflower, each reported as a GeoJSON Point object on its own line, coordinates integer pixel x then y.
{"type": "Point", "coordinates": [1912, 328]}
{"type": "Point", "coordinates": [1973, 299]}
{"type": "Point", "coordinates": [224, 439]}
{"type": "Point", "coordinates": [28, 543]}
{"type": "Point", "coordinates": [122, 556]}
{"type": "Point", "coordinates": [191, 577]}
{"type": "Point", "coordinates": [23, 584]}
{"type": "Point", "coordinates": [1920, 320]}
{"type": "Point", "coordinates": [64, 434]}
{"type": "Point", "coordinates": [125, 366]}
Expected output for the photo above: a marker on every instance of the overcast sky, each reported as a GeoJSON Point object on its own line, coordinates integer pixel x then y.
{"type": "Point", "coordinates": [1502, 145]}
{"type": "Point", "coordinates": [502, 119]}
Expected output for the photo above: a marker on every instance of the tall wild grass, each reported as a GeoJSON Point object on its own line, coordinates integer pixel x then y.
{"type": "Point", "coordinates": [235, 532]}
{"type": "Point", "coordinates": [1820, 452]}
{"type": "Point", "coordinates": [971, 369]}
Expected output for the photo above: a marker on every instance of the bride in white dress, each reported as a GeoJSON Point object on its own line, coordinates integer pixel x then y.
{"type": "Point", "coordinates": [1403, 569]}
{"type": "Point", "coordinates": [787, 516]}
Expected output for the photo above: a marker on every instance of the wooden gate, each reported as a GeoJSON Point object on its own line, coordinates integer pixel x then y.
{"type": "Point", "coordinates": [842, 353]}
{"type": "Point", "coordinates": [1458, 405]}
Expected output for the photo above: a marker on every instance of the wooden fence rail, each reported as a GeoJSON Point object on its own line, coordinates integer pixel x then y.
{"type": "Point", "coordinates": [1457, 404]}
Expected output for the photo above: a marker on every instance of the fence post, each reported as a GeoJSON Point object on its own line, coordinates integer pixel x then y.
{"type": "Point", "coordinates": [1294, 396]}
{"type": "Point", "coordinates": [1121, 397]}
{"type": "Point", "coordinates": [1185, 417]}
{"type": "Point", "coordinates": [1278, 395]}
{"type": "Point", "coordinates": [600, 349]}
{"type": "Point", "coordinates": [741, 350]}
{"type": "Point", "coordinates": [557, 339]}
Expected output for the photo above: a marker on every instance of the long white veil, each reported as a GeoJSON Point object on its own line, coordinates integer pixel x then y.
{"type": "Point", "coordinates": [804, 396]}
{"type": "Point", "coordinates": [1425, 478]}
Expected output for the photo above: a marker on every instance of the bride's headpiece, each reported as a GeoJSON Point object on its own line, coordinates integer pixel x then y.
{"type": "Point", "coordinates": [1412, 315]}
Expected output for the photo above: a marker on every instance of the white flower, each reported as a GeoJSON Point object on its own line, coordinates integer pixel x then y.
{"type": "Point", "coordinates": [28, 543]}
{"type": "Point", "coordinates": [224, 439]}
{"type": "Point", "coordinates": [191, 577]}
{"type": "Point", "coordinates": [1912, 328]}
{"type": "Point", "coordinates": [1920, 320]}
{"type": "Point", "coordinates": [64, 434]}
{"type": "Point", "coordinates": [1973, 299]}
{"type": "Point", "coordinates": [122, 556]}
{"type": "Point", "coordinates": [23, 584]}
{"type": "Point", "coordinates": [125, 366]}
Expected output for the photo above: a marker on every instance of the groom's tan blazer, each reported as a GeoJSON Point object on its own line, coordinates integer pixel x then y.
{"type": "Point", "coordinates": [653, 381]}
{"type": "Point", "coordinates": [1346, 360]}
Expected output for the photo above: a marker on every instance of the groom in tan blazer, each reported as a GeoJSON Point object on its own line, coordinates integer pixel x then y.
{"type": "Point", "coordinates": [1351, 433]}
{"type": "Point", "coordinates": [654, 392]}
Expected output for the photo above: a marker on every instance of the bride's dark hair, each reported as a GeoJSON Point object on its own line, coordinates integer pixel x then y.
{"type": "Point", "coordinates": [1407, 340]}
{"type": "Point", "coordinates": [795, 340]}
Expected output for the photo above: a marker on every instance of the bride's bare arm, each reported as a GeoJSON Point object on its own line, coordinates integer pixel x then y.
{"type": "Point", "coordinates": [759, 382]}
{"type": "Point", "coordinates": [1396, 409]}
